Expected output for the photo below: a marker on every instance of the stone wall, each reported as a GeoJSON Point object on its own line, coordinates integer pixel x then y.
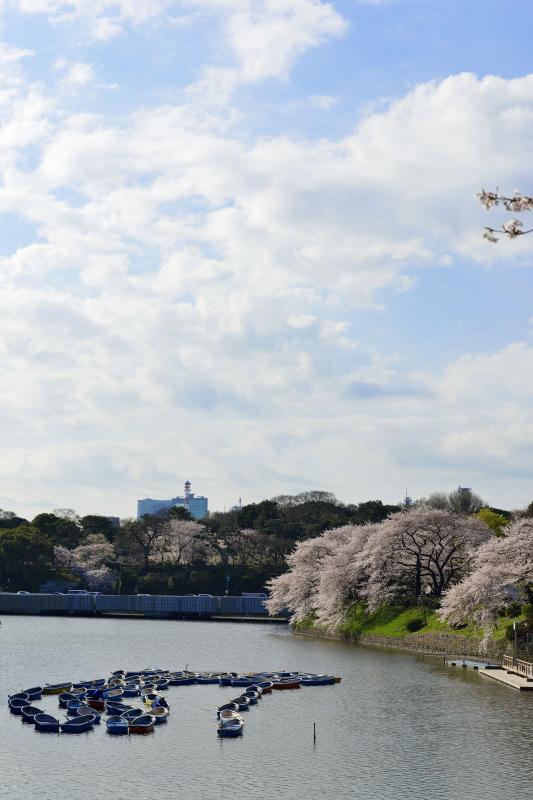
{"type": "Point", "coordinates": [443, 644]}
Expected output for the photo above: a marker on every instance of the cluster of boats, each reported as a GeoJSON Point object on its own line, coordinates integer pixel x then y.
{"type": "Point", "coordinates": [120, 696]}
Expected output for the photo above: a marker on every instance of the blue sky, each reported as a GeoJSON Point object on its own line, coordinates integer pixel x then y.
{"type": "Point", "coordinates": [239, 244]}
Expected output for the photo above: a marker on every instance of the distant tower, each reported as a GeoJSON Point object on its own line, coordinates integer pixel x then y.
{"type": "Point", "coordinates": [407, 502]}
{"type": "Point", "coordinates": [187, 495]}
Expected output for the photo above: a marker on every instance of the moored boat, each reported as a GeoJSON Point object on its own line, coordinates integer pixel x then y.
{"type": "Point", "coordinates": [64, 698]}
{"type": "Point", "coordinates": [46, 723]}
{"type": "Point", "coordinates": [86, 711]}
{"type": "Point", "coordinates": [34, 693]}
{"type": "Point", "coordinates": [144, 724]}
{"type": "Point", "coordinates": [30, 712]}
{"type": "Point", "coordinates": [230, 729]}
{"type": "Point", "coordinates": [95, 702]}
{"type": "Point", "coordinates": [77, 724]}
{"type": "Point", "coordinates": [117, 726]}
{"type": "Point", "coordinates": [17, 704]}
{"type": "Point", "coordinates": [57, 688]}
{"type": "Point", "coordinates": [242, 702]}
{"type": "Point", "coordinates": [287, 683]}
{"type": "Point", "coordinates": [317, 680]}
{"type": "Point", "coordinates": [72, 707]}
{"type": "Point", "coordinates": [133, 713]}
{"type": "Point", "coordinates": [160, 713]}
{"type": "Point", "coordinates": [150, 698]}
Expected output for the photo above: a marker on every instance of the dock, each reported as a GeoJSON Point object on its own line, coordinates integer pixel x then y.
{"type": "Point", "coordinates": [508, 678]}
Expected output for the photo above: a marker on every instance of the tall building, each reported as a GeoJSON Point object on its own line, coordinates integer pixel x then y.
{"type": "Point", "coordinates": [197, 505]}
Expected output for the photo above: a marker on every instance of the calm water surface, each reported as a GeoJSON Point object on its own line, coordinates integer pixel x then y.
{"type": "Point", "coordinates": [398, 727]}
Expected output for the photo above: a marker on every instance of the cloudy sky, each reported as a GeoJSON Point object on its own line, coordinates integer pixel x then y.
{"type": "Point", "coordinates": [239, 244]}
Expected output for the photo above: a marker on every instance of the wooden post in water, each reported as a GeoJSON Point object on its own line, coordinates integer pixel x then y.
{"type": "Point", "coordinates": [314, 732]}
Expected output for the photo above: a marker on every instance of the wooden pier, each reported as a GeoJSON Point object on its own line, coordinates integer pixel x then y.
{"type": "Point", "coordinates": [514, 672]}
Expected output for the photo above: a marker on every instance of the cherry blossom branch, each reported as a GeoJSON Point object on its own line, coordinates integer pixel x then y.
{"type": "Point", "coordinates": [517, 203]}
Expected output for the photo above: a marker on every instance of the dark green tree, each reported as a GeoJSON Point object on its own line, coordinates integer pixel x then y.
{"type": "Point", "coordinates": [59, 530]}
{"type": "Point", "coordinates": [96, 524]}
{"type": "Point", "coordinates": [26, 558]}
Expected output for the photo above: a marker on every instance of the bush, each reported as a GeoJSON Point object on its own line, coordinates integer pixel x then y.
{"type": "Point", "coordinates": [415, 624]}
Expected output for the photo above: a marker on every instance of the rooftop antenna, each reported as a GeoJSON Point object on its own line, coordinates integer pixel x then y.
{"type": "Point", "coordinates": [187, 494]}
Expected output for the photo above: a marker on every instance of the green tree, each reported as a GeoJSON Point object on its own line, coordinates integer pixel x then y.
{"type": "Point", "coordinates": [94, 524]}
{"type": "Point", "coordinates": [496, 522]}
{"type": "Point", "coordinates": [59, 530]}
{"type": "Point", "coordinates": [26, 558]}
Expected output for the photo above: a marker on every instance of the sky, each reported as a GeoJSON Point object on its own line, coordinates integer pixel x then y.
{"type": "Point", "coordinates": [240, 245]}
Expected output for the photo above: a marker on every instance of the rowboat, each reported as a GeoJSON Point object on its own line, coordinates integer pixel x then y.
{"type": "Point", "coordinates": [18, 696]}
{"type": "Point", "coordinates": [242, 681]}
{"type": "Point", "coordinates": [72, 707]}
{"type": "Point", "coordinates": [243, 702]}
{"type": "Point", "coordinates": [150, 698]}
{"type": "Point", "coordinates": [252, 697]}
{"type": "Point", "coordinates": [287, 683]}
{"type": "Point", "coordinates": [144, 724]}
{"type": "Point", "coordinates": [186, 680]}
{"type": "Point", "coordinates": [131, 691]}
{"type": "Point", "coordinates": [86, 711]}
{"type": "Point", "coordinates": [133, 713]}
{"type": "Point", "coordinates": [34, 693]}
{"type": "Point", "coordinates": [57, 688]}
{"type": "Point", "coordinates": [160, 714]}
{"type": "Point", "coordinates": [317, 680]}
{"type": "Point", "coordinates": [78, 691]}
{"type": "Point", "coordinates": [266, 686]}
{"type": "Point", "coordinates": [230, 729]}
{"type": "Point", "coordinates": [251, 690]}
{"type": "Point", "coordinates": [30, 712]}
{"type": "Point", "coordinates": [208, 678]}
{"type": "Point", "coordinates": [226, 707]}
{"type": "Point", "coordinates": [227, 715]}
{"type": "Point", "coordinates": [77, 725]}
{"type": "Point", "coordinates": [96, 702]}
{"type": "Point", "coordinates": [17, 704]}
{"type": "Point", "coordinates": [116, 708]}
{"type": "Point", "coordinates": [46, 723]}
{"type": "Point", "coordinates": [162, 684]}
{"type": "Point", "coordinates": [113, 694]}
{"type": "Point", "coordinates": [64, 698]}
{"type": "Point", "coordinates": [117, 726]}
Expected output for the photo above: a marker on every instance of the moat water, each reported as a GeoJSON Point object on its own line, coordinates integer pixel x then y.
{"type": "Point", "coordinates": [398, 727]}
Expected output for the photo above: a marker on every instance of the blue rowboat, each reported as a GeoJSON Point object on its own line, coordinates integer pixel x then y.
{"type": "Point", "coordinates": [241, 681]}
{"type": "Point", "coordinates": [72, 707]}
{"type": "Point", "coordinates": [230, 729]}
{"type": "Point", "coordinates": [208, 679]}
{"type": "Point", "coordinates": [34, 693]}
{"type": "Point", "coordinates": [18, 696]}
{"type": "Point", "coordinates": [46, 723]}
{"type": "Point", "coordinates": [133, 713]}
{"type": "Point", "coordinates": [187, 680]}
{"type": "Point", "coordinates": [30, 712]}
{"type": "Point", "coordinates": [86, 711]}
{"type": "Point", "coordinates": [227, 707]}
{"type": "Point", "coordinates": [64, 698]}
{"type": "Point", "coordinates": [77, 725]}
{"type": "Point", "coordinates": [117, 726]}
{"type": "Point", "coordinates": [318, 680]}
{"type": "Point", "coordinates": [114, 709]}
{"type": "Point", "coordinates": [243, 702]}
{"type": "Point", "coordinates": [162, 684]}
{"type": "Point", "coordinates": [17, 704]}
{"type": "Point", "coordinates": [113, 694]}
{"type": "Point", "coordinates": [160, 713]}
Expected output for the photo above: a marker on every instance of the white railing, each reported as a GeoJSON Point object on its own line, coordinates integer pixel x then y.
{"type": "Point", "coordinates": [524, 668]}
{"type": "Point", "coordinates": [508, 662]}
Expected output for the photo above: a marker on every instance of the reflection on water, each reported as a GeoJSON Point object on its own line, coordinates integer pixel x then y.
{"type": "Point", "coordinates": [397, 727]}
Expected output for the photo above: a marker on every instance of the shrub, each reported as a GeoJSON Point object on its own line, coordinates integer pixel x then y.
{"type": "Point", "coordinates": [415, 624]}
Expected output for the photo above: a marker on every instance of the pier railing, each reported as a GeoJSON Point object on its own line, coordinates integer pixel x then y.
{"type": "Point", "coordinates": [508, 663]}
{"type": "Point", "coordinates": [518, 666]}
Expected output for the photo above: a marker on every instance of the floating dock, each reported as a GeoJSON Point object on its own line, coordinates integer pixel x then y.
{"type": "Point", "coordinates": [508, 678]}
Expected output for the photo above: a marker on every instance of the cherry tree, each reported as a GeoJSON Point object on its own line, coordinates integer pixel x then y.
{"type": "Point", "coordinates": [343, 576]}
{"type": "Point", "coordinates": [89, 562]}
{"type": "Point", "coordinates": [420, 551]}
{"type": "Point", "coordinates": [179, 541]}
{"type": "Point", "coordinates": [502, 573]}
{"type": "Point", "coordinates": [297, 590]}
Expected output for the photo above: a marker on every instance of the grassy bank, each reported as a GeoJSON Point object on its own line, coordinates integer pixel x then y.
{"type": "Point", "coordinates": [400, 622]}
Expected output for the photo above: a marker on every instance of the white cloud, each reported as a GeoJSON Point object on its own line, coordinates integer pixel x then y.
{"type": "Point", "coordinates": [193, 290]}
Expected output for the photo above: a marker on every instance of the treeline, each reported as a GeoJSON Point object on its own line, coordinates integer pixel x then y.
{"type": "Point", "coordinates": [169, 553]}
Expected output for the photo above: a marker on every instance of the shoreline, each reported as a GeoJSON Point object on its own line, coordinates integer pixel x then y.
{"type": "Point", "coordinates": [441, 644]}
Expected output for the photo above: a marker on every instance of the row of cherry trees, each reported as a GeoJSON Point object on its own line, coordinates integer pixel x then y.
{"type": "Point", "coordinates": [421, 552]}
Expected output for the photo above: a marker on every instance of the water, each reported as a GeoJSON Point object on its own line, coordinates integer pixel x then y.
{"type": "Point", "coordinates": [398, 727]}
